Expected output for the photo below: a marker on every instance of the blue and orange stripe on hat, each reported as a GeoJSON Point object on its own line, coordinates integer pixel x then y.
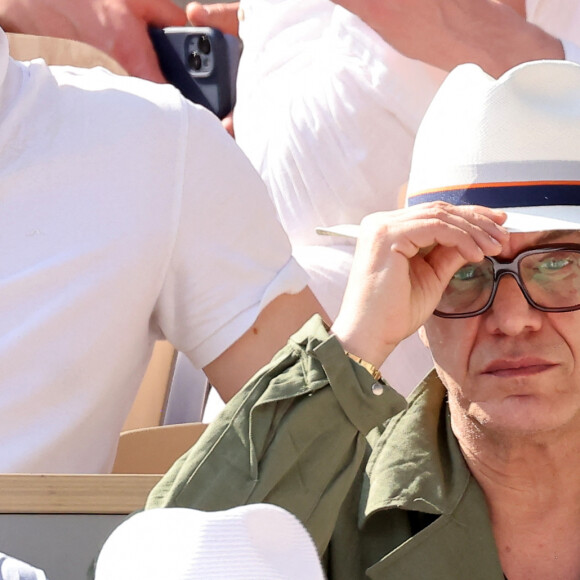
{"type": "Point", "coordinates": [503, 195]}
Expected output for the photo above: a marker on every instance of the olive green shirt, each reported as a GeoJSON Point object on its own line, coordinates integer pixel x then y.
{"type": "Point", "coordinates": [394, 501]}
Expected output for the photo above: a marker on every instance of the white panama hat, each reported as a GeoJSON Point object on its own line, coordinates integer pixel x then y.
{"type": "Point", "coordinates": [251, 542]}
{"type": "Point", "coordinates": [511, 143]}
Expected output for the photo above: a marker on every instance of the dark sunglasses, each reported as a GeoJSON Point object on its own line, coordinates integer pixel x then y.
{"type": "Point", "coordinates": [548, 276]}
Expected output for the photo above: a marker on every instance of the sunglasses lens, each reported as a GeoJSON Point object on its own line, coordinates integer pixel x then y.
{"type": "Point", "coordinates": [469, 290]}
{"type": "Point", "coordinates": [552, 278]}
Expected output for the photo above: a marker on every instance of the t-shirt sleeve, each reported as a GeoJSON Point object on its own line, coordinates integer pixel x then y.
{"type": "Point", "coordinates": [231, 256]}
{"type": "Point", "coordinates": [294, 437]}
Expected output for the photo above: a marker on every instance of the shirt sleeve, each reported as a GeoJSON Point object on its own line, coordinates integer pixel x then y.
{"type": "Point", "coordinates": [294, 437]}
{"type": "Point", "coordinates": [231, 256]}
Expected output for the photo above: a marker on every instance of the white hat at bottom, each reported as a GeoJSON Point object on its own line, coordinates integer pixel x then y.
{"type": "Point", "coordinates": [253, 542]}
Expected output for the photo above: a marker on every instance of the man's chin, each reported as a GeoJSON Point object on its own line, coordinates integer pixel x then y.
{"type": "Point", "coordinates": [517, 415]}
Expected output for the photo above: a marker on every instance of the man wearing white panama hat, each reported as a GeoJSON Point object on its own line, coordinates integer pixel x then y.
{"type": "Point", "coordinates": [478, 478]}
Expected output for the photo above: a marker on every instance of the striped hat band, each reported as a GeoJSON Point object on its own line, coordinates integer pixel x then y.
{"type": "Point", "coordinates": [504, 195]}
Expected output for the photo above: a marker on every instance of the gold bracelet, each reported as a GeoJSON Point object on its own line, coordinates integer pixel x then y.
{"type": "Point", "coordinates": [372, 369]}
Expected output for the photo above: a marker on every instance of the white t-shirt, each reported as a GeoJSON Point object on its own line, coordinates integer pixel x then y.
{"type": "Point", "coordinates": [126, 215]}
{"type": "Point", "coordinates": [327, 112]}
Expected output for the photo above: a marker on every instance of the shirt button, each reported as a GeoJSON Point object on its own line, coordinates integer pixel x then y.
{"type": "Point", "coordinates": [377, 389]}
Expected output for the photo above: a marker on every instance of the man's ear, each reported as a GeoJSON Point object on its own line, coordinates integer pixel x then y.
{"type": "Point", "coordinates": [423, 336]}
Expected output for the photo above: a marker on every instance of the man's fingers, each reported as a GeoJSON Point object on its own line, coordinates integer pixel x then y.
{"type": "Point", "coordinates": [444, 262]}
{"type": "Point", "coordinates": [470, 242]}
{"type": "Point", "coordinates": [141, 63]}
{"type": "Point", "coordinates": [146, 66]}
{"type": "Point", "coordinates": [452, 237]}
{"type": "Point", "coordinates": [476, 233]}
{"type": "Point", "coordinates": [473, 231]}
{"type": "Point", "coordinates": [132, 47]}
{"type": "Point", "coordinates": [162, 13]}
{"type": "Point", "coordinates": [228, 124]}
{"type": "Point", "coordinates": [222, 16]}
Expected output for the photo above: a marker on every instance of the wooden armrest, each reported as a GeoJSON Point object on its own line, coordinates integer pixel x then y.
{"type": "Point", "coordinates": [80, 494]}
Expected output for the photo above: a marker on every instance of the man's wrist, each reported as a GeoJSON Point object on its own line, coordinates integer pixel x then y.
{"type": "Point", "coordinates": [366, 345]}
{"type": "Point", "coordinates": [372, 369]}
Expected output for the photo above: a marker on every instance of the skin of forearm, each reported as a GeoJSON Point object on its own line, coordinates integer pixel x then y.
{"type": "Point", "coordinates": [504, 41]}
{"type": "Point", "coordinates": [269, 333]}
{"type": "Point", "coordinates": [49, 18]}
{"type": "Point", "coordinates": [447, 33]}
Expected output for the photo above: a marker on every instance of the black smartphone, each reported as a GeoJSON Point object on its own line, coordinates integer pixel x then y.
{"type": "Point", "coordinates": [201, 62]}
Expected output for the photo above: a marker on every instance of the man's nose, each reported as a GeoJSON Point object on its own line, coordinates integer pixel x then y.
{"type": "Point", "coordinates": [510, 312]}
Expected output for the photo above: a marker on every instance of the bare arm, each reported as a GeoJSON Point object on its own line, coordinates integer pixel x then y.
{"type": "Point", "coordinates": [117, 27]}
{"type": "Point", "coordinates": [446, 33]}
{"type": "Point", "coordinates": [256, 347]}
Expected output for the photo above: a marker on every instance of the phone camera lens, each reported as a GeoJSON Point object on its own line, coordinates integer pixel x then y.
{"type": "Point", "coordinates": [194, 61]}
{"type": "Point", "coordinates": [204, 45]}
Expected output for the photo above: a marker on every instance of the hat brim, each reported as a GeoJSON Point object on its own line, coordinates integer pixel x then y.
{"type": "Point", "coordinates": [519, 220]}
{"type": "Point", "coordinates": [344, 231]}
{"type": "Point", "coordinates": [542, 218]}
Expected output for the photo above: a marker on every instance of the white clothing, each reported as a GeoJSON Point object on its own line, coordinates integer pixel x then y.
{"type": "Point", "coordinates": [327, 112]}
{"type": "Point", "coordinates": [124, 219]}
{"type": "Point", "coordinates": [13, 569]}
